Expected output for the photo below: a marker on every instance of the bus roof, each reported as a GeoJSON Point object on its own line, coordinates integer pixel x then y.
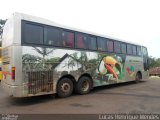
{"type": "Point", "coordinates": [31, 18]}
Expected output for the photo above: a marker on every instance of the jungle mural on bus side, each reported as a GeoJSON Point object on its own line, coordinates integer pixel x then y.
{"type": "Point", "coordinates": [104, 68]}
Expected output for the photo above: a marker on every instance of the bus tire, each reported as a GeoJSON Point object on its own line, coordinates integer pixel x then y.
{"type": "Point", "coordinates": [64, 87]}
{"type": "Point", "coordinates": [84, 85]}
{"type": "Point", "coordinates": [138, 77]}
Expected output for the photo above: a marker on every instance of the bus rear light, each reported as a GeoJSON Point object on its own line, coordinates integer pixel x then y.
{"type": "Point", "coordinates": [13, 73]}
{"type": "Point", "coordinates": [1, 75]}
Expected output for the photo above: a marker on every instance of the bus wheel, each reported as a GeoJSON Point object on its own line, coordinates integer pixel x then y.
{"type": "Point", "coordinates": [138, 77]}
{"type": "Point", "coordinates": [84, 85]}
{"type": "Point", "coordinates": [64, 87]}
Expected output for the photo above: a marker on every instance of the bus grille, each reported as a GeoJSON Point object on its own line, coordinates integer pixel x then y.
{"type": "Point", "coordinates": [40, 81]}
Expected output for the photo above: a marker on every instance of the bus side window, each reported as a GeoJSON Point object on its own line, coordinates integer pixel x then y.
{"type": "Point", "coordinates": [81, 41]}
{"type": "Point", "coordinates": [139, 52]}
{"type": "Point", "coordinates": [129, 49]}
{"type": "Point", "coordinates": [134, 50]}
{"type": "Point", "coordinates": [92, 43]}
{"type": "Point", "coordinates": [117, 47]}
{"type": "Point", "coordinates": [123, 48]}
{"type": "Point", "coordinates": [102, 44]}
{"type": "Point", "coordinates": [52, 36]}
{"type": "Point", "coordinates": [110, 45]}
{"type": "Point", "coordinates": [145, 53]}
{"type": "Point", "coordinates": [33, 34]}
{"type": "Point", "coordinates": [67, 39]}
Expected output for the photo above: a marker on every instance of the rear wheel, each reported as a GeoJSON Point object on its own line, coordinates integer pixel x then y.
{"type": "Point", "coordinates": [64, 87]}
{"type": "Point", "coordinates": [138, 77]}
{"type": "Point", "coordinates": [84, 85]}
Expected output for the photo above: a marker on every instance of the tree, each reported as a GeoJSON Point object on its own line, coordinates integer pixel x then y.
{"type": "Point", "coordinates": [33, 62]}
{"type": "Point", "coordinates": [72, 60]}
{"type": "Point", "coordinates": [30, 62]}
{"type": "Point", "coordinates": [2, 22]}
{"type": "Point", "coordinates": [154, 62]}
{"type": "Point", "coordinates": [44, 52]}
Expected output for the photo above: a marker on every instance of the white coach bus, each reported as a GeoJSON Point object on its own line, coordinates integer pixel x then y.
{"type": "Point", "coordinates": [41, 57]}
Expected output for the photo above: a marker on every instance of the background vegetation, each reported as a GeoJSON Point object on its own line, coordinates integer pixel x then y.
{"type": "Point", "coordinates": [2, 22]}
{"type": "Point", "coordinates": [154, 62]}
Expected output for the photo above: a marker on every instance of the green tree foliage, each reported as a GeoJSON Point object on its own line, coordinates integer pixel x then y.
{"type": "Point", "coordinates": [154, 62]}
{"type": "Point", "coordinates": [2, 22]}
{"type": "Point", "coordinates": [53, 60]}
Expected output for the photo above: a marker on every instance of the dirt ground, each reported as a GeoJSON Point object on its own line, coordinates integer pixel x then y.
{"type": "Point", "coordinates": [128, 98]}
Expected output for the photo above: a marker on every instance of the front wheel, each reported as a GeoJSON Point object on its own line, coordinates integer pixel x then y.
{"type": "Point", "coordinates": [64, 87]}
{"type": "Point", "coordinates": [84, 85]}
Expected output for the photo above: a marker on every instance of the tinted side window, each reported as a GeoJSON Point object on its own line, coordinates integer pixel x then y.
{"type": "Point", "coordinates": [67, 39]}
{"type": "Point", "coordinates": [123, 48]}
{"type": "Point", "coordinates": [52, 36]}
{"type": "Point", "coordinates": [145, 53]}
{"type": "Point", "coordinates": [33, 33]}
{"type": "Point", "coordinates": [134, 50]}
{"type": "Point", "coordinates": [129, 49]}
{"type": "Point", "coordinates": [102, 44]}
{"type": "Point", "coordinates": [92, 43]}
{"type": "Point", "coordinates": [139, 52]}
{"type": "Point", "coordinates": [81, 41]}
{"type": "Point", "coordinates": [110, 45]}
{"type": "Point", "coordinates": [117, 47]}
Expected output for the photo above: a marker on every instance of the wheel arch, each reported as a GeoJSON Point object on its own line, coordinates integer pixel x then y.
{"type": "Point", "coordinates": [68, 76]}
{"type": "Point", "coordinates": [140, 73]}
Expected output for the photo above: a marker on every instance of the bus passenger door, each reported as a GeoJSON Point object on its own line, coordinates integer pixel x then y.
{"type": "Point", "coordinates": [145, 63]}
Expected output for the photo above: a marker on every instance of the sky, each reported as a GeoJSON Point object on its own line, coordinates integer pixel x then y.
{"type": "Point", "coordinates": [137, 21]}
